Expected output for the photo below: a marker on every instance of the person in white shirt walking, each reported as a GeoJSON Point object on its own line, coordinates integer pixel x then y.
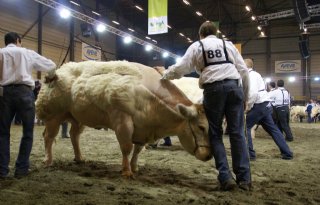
{"type": "Point", "coordinates": [259, 111]}
{"type": "Point", "coordinates": [16, 96]}
{"type": "Point", "coordinates": [281, 101]}
{"type": "Point", "coordinates": [222, 72]}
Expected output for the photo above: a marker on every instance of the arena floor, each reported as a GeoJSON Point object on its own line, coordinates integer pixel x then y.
{"type": "Point", "coordinates": [166, 176]}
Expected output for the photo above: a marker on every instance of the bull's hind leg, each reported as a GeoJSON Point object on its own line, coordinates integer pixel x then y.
{"type": "Point", "coordinates": [75, 132]}
{"type": "Point", "coordinates": [124, 131]}
{"type": "Point", "coordinates": [51, 130]}
{"type": "Point", "coordinates": [134, 160]}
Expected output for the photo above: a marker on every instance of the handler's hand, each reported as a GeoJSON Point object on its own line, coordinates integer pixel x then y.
{"type": "Point", "coordinates": [50, 79]}
{"type": "Point", "coordinates": [160, 69]}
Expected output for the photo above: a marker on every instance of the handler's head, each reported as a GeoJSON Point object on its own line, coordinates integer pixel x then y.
{"type": "Point", "coordinates": [206, 29]}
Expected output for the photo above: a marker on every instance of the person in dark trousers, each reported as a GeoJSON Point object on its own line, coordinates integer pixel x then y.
{"type": "Point", "coordinates": [17, 97]}
{"type": "Point", "coordinates": [281, 101]}
{"type": "Point", "coordinates": [271, 89]}
{"type": "Point", "coordinates": [259, 110]}
{"type": "Point", "coordinates": [222, 73]}
{"type": "Point", "coordinates": [64, 130]}
{"type": "Point", "coordinates": [309, 109]}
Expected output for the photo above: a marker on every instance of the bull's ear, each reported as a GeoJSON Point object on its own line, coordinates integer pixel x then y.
{"type": "Point", "coordinates": [187, 111]}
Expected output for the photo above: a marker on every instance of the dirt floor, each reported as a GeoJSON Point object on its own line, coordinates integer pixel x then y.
{"type": "Point", "coordinates": [168, 175]}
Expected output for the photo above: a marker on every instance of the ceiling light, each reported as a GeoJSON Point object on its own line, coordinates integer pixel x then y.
{"type": "Point", "coordinates": [268, 80]}
{"type": "Point", "coordinates": [316, 78]}
{"type": "Point", "coordinates": [127, 39]}
{"type": "Point", "coordinates": [147, 37]}
{"type": "Point", "coordinates": [223, 36]}
{"type": "Point", "coordinates": [130, 29]}
{"type": "Point", "coordinates": [64, 13]}
{"type": "Point", "coordinates": [262, 34]}
{"type": "Point", "coordinates": [165, 54]}
{"type": "Point", "coordinates": [169, 26]}
{"type": "Point", "coordinates": [181, 34]}
{"type": "Point", "coordinates": [248, 8]}
{"type": "Point", "coordinates": [154, 41]}
{"type": "Point", "coordinates": [148, 47]}
{"type": "Point", "coordinates": [186, 2]}
{"type": "Point", "coordinates": [138, 7]}
{"type": "Point", "coordinates": [178, 59]}
{"type": "Point", "coordinates": [115, 22]}
{"type": "Point", "coordinates": [96, 13]}
{"type": "Point", "coordinates": [259, 28]}
{"type": "Point", "coordinates": [218, 31]}
{"type": "Point", "coordinates": [253, 18]}
{"type": "Point", "coordinates": [100, 27]}
{"type": "Point", "coordinates": [188, 39]}
{"type": "Point", "coordinates": [292, 79]}
{"type": "Point", "coordinates": [199, 13]}
{"type": "Point", "coordinates": [74, 3]}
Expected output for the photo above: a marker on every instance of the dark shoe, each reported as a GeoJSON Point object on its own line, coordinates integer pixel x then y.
{"type": "Point", "coordinates": [166, 144]}
{"type": "Point", "coordinates": [228, 185]}
{"type": "Point", "coordinates": [65, 136]}
{"type": "Point", "coordinates": [5, 177]}
{"type": "Point", "coordinates": [289, 140]}
{"type": "Point", "coordinates": [286, 158]}
{"type": "Point", "coordinates": [246, 186]}
{"type": "Point", "coordinates": [252, 159]}
{"type": "Point", "coordinates": [19, 175]}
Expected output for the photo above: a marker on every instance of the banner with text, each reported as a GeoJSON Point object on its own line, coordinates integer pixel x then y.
{"type": "Point", "coordinates": [157, 16]}
{"type": "Point", "coordinates": [288, 66]}
{"type": "Point", "coordinates": [90, 53]}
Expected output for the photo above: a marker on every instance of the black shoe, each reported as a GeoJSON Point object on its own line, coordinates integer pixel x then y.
{"type": "Point", "coordinates": [289, 140]}
{"type": "Point", "coordinates": [19, 176]}
{"type": "Point", "coordinates": [252, 159]}
{"type": "Point", "coordinates": [228, 185]}
{"type": "Point", "coordinates": [246, 186]}
{"type": "Point", "coordinates": [286, 158]}
{"type": "Point", "coordinates": [65, 136]}
{"type": "Point", "coordinates": [166, 144]}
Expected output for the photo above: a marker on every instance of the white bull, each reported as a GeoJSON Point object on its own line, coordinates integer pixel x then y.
{"type": "Point", "coordinates": [130, 99]}
{"type": "Point", "coordinates": [297, 112]}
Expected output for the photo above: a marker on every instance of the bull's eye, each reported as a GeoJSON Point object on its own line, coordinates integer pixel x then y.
{"type": "Point", "coordinates": [203, 129]}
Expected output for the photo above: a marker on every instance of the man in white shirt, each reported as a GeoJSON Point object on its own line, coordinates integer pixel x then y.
{"type": "Point", "coordinates": [259, 111]}
{"type": "Point", "coordinates": [222, 71]}
{"type": "Point", "coordinates": [281, 103]}
{"type": "Point", "coordinates": [17, 84]}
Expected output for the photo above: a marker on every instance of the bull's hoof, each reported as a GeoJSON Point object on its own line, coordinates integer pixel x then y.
{"type": "Point", "coordinates": [79, 161]}
{"type": "Point", "coordinates": [47, 163]}
{"type": "Point", "coordinates": [127, 174]}
{"type": "Point", "coordinates": [134, 169]}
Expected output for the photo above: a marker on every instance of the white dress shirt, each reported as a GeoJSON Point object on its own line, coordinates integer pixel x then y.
{"type": "Point", "coordinates": [18, 64]}
{"type": "Point", "coordinates": [280, 97]}
{"type": "Point", "coordinates": [193, 60]}
{"type": "Point", "coordinates": [257, 91]}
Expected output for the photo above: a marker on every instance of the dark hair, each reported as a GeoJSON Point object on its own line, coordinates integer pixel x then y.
{"type": "Point", "coordinates": [11, 37]}
{"type": "Point", "coordinates": [272, 84]}
{"type": "Point", "coordinates": [280, 83]}
{"type": "Point", "coordinates": [207, 28]}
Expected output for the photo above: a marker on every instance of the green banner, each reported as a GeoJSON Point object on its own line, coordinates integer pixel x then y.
{"type": "Point", "coordinates": [157, 16]}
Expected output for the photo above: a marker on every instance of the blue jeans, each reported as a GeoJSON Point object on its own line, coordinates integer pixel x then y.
{"type": "Point", "coordinates": [225, 98]}
{"type": "Point", "coordinates": [262, 114]}
{"type": "Point", "coordinates": [16, 99]}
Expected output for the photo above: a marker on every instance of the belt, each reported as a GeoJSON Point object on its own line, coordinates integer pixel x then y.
{"type": "Point", "coordinates": [16, 86]}
{"type": "Point", "coordinates": [219, 82]}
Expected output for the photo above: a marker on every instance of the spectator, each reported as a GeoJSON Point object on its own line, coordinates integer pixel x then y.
{"type": "Point", "coordinates": [259, 110]}
{"type": "Point", "coordinates": [17, 98]}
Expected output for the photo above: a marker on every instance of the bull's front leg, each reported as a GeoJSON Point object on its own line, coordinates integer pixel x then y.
{"type": "Point", "coordinates": [75, 132]}
{"type": "Point", "coordinates": [134, 160]}
{"type": "Point", "coordinates": [51, 130]}
{"type": "Point", "coordinates": [124, 131]}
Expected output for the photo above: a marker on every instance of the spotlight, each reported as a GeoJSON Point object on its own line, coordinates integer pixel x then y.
{"type": "Point", "coordinates": [148, 47]}
{"type": "Point", "coordinates": [165, 54]}
{"type": "Point", "coordinates": [178, 59]}
{"type": "Point", "coordinates": [292, 79]}
{"type": "Point", "coordinates": [100, 27]}
{"type": "Point", "coordinates": [127, 39]}
{"type": "Point", "coordinates": [64, 13]}
{"type": "Point", "coordinates": [316, 78]}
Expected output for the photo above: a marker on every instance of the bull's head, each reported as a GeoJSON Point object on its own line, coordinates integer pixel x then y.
{"type": "Point", "coordinates": [194, 131]}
